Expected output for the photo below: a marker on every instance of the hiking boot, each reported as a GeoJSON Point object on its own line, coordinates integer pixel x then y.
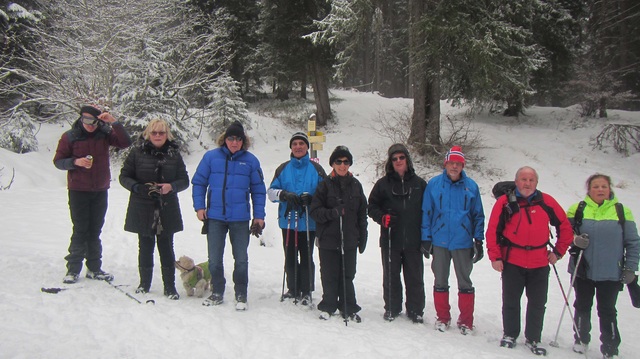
{"type": "Point", "coordinates": [214, 299]}
{"type": "Point", "coordinates": [99, 275]}
{"type": "Point", "coordinates": [389, 316]}
{"type": "Point", "coordinates": [141, 290]}
{"type": "Point", "coordinates": [441, 326]}
{"type": "Point", "coordinates": [171, 293]}
{"type": "Point", "coordinates": [464, 329]}
{"type": "Point", "coordinates": [70, 278]}
{"type": "Point", "coordinates": [415, 317]}
{"type": "Point", "coordinates": [508, 342]}
{"type": "Point", "coordinates": [580, 348]}
{"type": "Point", "coordinates": [241, 302]}
{"type": "Point", "coordinates": [325, 315]}
{"type": "Point", "coordinates": [534, 347]}
{"type": "Point", "coordinates": [306, 299]}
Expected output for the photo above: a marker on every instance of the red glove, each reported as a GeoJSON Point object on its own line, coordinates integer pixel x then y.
{"type": "Point", "coordinates": [387, 220]}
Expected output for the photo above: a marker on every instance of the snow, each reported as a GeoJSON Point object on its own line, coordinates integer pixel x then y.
{"type": "Point", "coordinates": [92, 319]}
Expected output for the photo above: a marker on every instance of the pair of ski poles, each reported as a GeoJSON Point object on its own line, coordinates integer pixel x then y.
{"type": "Point", "coordinates": [295, 271]}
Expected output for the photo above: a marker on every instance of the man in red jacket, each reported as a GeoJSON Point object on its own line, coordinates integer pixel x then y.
{"type": "Point", "coordinates": [83, 151]}
{"type": "Point", "coordinates": [518, 247]}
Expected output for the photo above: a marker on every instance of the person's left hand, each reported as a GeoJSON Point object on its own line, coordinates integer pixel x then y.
{"type": "Point", "coordinates": [106, 117]}
{"type": "Point", "coordinates": [257, 225]}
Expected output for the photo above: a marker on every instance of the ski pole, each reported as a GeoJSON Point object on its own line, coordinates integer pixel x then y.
{"type": "Point", "coordinates": [295, 262]}
{"type": "Point", "coordinates": [310, 257]}
{"type": "Point", "coordinates": [344, 276]}
{"type": "Point", "coordinates": [150, 301]}
{"type": "Point", "coordinates": [54, 290]}
{"type": "Point", "coordinates": [554, 343]}
{"type": "Point", "coordinates": [389, 265]}
{"type": "Point", "coordinates": [286, 251]}
{"type": "Point", "coordinates": [566, 300]}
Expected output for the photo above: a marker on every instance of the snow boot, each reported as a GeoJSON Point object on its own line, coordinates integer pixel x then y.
{"type": "Point", "coordinates": [241, 302]}
{"type": "Point", "coordinates": [146, 274]}
{"type": "Point", "coordinates": [534, 347]}
{"type": "Point", "coordinates": [441, 301]}
{"type": "Point", "coordinates": [99, 275]}
{"type": "Point", "coordinates": [70, 278]}
{"type": "Point", "coordinates": [466, 299]}
{"type": "Point", "coordinates": [508, 342]}
{"type": "Point", "coordinates": [214, 299]}
{"type": "Point", "coordinates": [169, 280]}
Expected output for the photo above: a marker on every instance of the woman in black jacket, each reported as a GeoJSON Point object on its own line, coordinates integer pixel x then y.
{"type": "Point", "coordinates": [154, 172]}
{"type": "Point", "coordinates": [339, 208]}
{"type": "Point", "coordinates": [395, 203]}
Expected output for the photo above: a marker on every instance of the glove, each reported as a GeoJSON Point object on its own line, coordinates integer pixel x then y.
{"type": "Point", "coordinates": [581, 241]}
{"type": "Point", "coordinates": [388, 221]}
{"type": "Point", "coordinates": [305, 199]}
{"type": "Point", "coordinates": [362, 244]}
{"type": "Point", "coordinates": [256, 229]}
{"type": "Point", "coordinates": [136, 188]}
{"type": "Point", "coordinates": [627, 276]}
{"type": "Point", "coordinates": [152, 190]}
{"type": "Point", "coordinates": [291, 198]}
{"type": "Point", "coordinates": [426, 248]}
{"type": "Point", "coordinates": [478, 251]}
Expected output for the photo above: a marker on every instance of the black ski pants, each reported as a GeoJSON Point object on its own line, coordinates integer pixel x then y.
{"type": "Point", "coordinates": [411, 264]}
{"type": "Point", "coordinates": [331, 275]}
{"type": "Point", "coordinates": [606, 293]}
{"type": "Point", "coordinates": [515, 280]}
{"type": "Point", "coordinates": [87, 216]}
{"type": "Point", "coordinates": [305, 272]}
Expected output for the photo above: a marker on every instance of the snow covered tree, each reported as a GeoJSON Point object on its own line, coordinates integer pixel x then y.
{"type": "Point", "coordinates": [225, 105]}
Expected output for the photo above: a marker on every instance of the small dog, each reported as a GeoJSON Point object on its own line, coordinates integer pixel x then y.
{"type": "Point", "coordinates": [195, 278]}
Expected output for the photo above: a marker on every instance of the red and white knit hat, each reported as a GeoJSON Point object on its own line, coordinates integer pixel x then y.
{"type": "Point", "coordinates": [455, 155]}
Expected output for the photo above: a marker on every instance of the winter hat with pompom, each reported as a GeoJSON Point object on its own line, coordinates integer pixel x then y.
{"type": "Point", "coordinates": [454, 155]}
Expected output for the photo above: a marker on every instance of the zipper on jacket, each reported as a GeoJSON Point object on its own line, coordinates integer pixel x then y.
{"type": "Point", "coordinates": [224, 185]}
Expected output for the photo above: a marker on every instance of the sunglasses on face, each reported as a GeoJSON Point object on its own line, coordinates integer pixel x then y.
{"type": "Point", "coordinates": [342, 162]}
{"type": "Point", "coordinates": [89, 120]}
{"type": "Point", "coordinates": [399, 158]}
{"type": "Point", "coordinates": [158, 133]}
{"type": "Point", "coordinates": [234, 139]}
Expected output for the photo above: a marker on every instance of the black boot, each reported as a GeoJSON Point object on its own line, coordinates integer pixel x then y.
{"type": "Point", "coordinates": [169, 279]}
{"type": "Point", "coordinates": [146, 274]}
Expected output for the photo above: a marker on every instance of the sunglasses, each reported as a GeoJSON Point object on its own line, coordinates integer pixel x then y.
{"type": "Point", "coordinates": [234, 139]}
{"type": "Point", "coordinates": [342, 162]}
{"type": "Point", "coordinates": [158, 133]}
{"type": "Point", "coordinates": [89, 120]}
{"type": "Point", "coordinates": [399, 158]}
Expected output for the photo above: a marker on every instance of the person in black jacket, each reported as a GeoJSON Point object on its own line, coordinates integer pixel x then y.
{"type": "Point", "coordinates": [395, 203]}
{"type": "Point", "coordinates": [154, 172]}
{"type": "Point", "coordinates": [339, 208]}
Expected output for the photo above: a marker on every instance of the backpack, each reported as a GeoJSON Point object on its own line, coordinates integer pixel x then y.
{"type": "Point", "coordinates": [508, 188]}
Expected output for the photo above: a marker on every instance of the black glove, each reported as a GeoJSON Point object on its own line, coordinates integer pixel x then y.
{"type": "Point", "coordinates": [256, 229]}
{"type": "Point", "coordinates": [478, 251]}
{"type": "Point", "coordinates": [136, 188]}
{"type": "Point", "coordinates": [362, 244]}
{"type": "Point", "coordinates": [426, 248]}
{"type": "Point", "coordinates": [305, 199]}
{"type": "Point", "coordinates": [292, 199]}
{"type": "Point", "coordinates": [627, 276]}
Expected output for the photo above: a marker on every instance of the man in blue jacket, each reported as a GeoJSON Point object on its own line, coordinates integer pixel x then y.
{"type": "Point", "coordinates": [452, 217]}
{"type": "Point", "coordinates": [293, 186]}
{"type": "Point", "coordinates": [222, 184]}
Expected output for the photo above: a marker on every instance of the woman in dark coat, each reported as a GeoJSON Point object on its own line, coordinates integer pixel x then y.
{"type": "Point", "coordinates": [154, 172]}
{"type": "Point", "coordinates": [339, 208]}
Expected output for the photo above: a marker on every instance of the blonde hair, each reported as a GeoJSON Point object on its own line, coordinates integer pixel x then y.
{"type": "Point", "coordinates": [157, 124]}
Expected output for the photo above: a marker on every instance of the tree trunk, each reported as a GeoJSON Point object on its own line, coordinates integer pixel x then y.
{"type": "Point", "coordinates": [321, 93]}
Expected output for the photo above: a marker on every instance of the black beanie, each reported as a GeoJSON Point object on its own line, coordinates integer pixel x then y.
{"type": "Point", "coordinates": [339, 152]}
{"type": "Point", "coordinates": [299, 136]}
{"type": "Point", "coordinates": [235, 129]}
{"type": "Point", "coordinates": [90, 110]}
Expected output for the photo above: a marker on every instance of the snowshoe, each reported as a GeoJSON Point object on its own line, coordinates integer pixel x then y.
{"type": "Point", "coordinates": [214, 299]}
{"type": "Point", "coordinates": [535, 349]}
{"type": "Point", "coordinates": [70, 278]}
{"type": "Point", "coordinates": [508, 342]}
{"type": "Point", "coordinates": [99, 275]}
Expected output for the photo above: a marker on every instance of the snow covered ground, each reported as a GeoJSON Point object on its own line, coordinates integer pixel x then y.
{"type": "Point", "coordinates": [92, 319]}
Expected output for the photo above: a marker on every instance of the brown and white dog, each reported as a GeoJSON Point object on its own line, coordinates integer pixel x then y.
{"type": "Point", "coordinates": [195, 278]}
